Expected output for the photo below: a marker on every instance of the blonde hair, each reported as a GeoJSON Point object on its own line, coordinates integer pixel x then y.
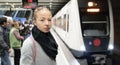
{"type": "Point", "coordinates": [15, 24]}
{"type": "Point", "coordinates": [39, 9]}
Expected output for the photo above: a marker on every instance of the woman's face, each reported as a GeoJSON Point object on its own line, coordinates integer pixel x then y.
{"type": "Point", "coordinates": [16, 24]}
{"type": "Point", "coordinates": [43, 20]}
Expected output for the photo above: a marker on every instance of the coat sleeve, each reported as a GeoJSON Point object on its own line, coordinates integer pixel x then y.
{"type": "Point", "coordinates": [27, 53]}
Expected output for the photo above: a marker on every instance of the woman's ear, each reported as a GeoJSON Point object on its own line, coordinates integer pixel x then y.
{"type": "Point", "coordinates": [34, 21]}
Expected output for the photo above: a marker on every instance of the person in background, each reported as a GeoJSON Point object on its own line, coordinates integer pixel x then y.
{"type": "Point", "coordinates": [40, 48]}
{"type": "Point", "coordinates": [15, 41]}
{"type": "Point", "coordinates": [26, 31]}
{"type": "Point", "coordinates": [4, 42]}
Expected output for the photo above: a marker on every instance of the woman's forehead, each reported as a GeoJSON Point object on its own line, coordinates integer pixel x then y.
{"type": "Point", "coordinates": [44, 13]}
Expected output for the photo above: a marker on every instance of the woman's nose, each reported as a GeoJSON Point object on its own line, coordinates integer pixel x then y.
{"type": "Point", "coordinates": [47, 22]}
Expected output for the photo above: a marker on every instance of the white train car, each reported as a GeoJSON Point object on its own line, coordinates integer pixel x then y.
{"type": "Point", "coordinates": [86, 27]}
{"type": "Point", "coordinates": [17, 14]}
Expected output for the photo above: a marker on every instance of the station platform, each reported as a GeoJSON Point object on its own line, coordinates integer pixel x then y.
{"type": "Point", "coordinates": [64, 56]}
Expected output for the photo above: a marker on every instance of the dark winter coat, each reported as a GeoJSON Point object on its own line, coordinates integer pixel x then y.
{"type": "Point", "coordinates": [3, 45]}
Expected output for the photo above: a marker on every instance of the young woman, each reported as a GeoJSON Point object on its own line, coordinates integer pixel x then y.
{"type": "Point", "coordinates": [40, 48]}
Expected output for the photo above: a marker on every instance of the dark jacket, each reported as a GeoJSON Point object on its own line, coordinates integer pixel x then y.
{"type": "Point", "coordinates": [6, 36]}
{"type": "Point", "coordinates": [3, 45]}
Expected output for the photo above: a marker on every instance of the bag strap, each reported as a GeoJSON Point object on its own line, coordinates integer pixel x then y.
{"type": "Point", "coordinates": [34, 44]}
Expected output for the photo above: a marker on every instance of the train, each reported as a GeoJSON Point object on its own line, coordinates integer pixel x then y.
{"type": "Point", "coordinates": [87, 28]}
{"type": "Point", "coordinates": [20, 14]}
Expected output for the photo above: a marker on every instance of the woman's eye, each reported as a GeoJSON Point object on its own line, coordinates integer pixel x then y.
{"type": "Point", "coordinates": [49, 19]}
{"type": "Point", "coordinates": [42, 20]}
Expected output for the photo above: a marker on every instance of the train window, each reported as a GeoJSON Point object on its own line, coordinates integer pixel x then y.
{"type": "Point", "coordinates": [94, 29]}
{"type": "Point", "coordinates": [54, 21]}
{"type": "Point", "coordinates": [2, 12]}
{"type": "Point", "coordinates": [93, 17]}
{"type": "Point", "coordinates": [10, 13]}
{"type": "Point", "coordinates": [58, 22]}
{"type": "Point", "coordinates": [67, 22]}
{"type": "Point", "coordinates": [24, 14]}
{"type": "Point", "coordinates": [27, 14]}
{"type": "Point", "coordinates": [95, 22]}
{"type": "Point", "coordinates": [64, 22]}
{"type": "Point", "coordinates": [21, 14]}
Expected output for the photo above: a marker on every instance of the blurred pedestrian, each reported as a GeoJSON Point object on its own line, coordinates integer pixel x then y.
{"type": "Point", "coordinates": [4, 42]}
{"type": "Point", "coordinates": [15, 41]}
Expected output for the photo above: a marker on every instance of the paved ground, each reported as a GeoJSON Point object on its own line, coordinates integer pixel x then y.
{"type": "Point", "coordinates": [12, 60]}
{"type": "Point", "coordinates": [12, 57]}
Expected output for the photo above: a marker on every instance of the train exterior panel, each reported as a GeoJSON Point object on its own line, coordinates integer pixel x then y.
{"type": "Point", "coordinates": [86, 27]}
